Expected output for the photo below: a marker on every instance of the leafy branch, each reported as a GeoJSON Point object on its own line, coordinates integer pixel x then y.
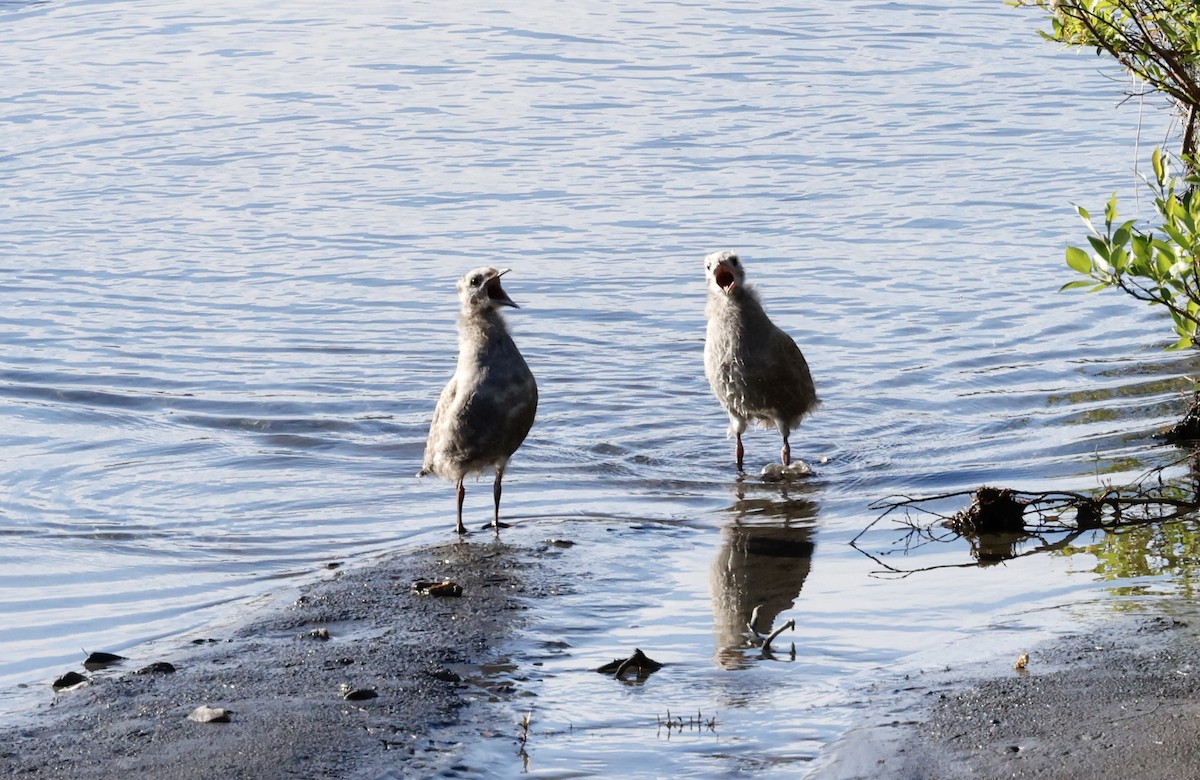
{"type": "Point", "coordinates": [1162, 271]}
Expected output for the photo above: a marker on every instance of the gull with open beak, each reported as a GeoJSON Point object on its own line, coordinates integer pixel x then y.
{"type": "Point", "coordinates": [755, 369]}
{"type": "Point", "coordinates": [488, 406]}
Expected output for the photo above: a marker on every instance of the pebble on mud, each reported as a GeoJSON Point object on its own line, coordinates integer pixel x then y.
{"type": "Point", "coordinates": [207, 714]}
{"type": "Point", "coordinates": [434, 588]}
{"type": "Point", "coordinates": [96, 661]}
{"type": "Point", "coordinates": [359, 694]}
{"type": "Point", "coordinates": [69, 682]}
{"type": "Point", "coordinates": [158, 667]}
{"type": "Point", "coordinates": [318, 633]}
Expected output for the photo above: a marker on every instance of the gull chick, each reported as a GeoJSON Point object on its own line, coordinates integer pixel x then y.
{"type": "Point", "coordinates": [488, 406]}
{"type": "Point", "coordinates": [755, 369]}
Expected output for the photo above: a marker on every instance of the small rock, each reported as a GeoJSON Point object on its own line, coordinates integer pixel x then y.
{"type": "Point", "coordinates": [318, 633]}
{"type": "Point", "coordinates": [69, 682]}
{"type": "Point", "coordinates": [207, 714]}
{"type": "Point", "coordinates": [444, 674]}
{"type": "Point", "coordinates": [96, 661]}
{"type": "Point", "coordinates": [359, 694]}
{"type": "Point", "coordinates": [639, 662]}
{"type": "Point", "coordinates": [158, 667]}
{"type": "Point", "coordinates": [432, 588]}
{"type": "Point", "coordinates": [560, 543]}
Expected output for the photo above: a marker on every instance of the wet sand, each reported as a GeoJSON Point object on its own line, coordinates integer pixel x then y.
{"type": "Point", "coordinates": [1119, 701]}
{"type": "Point", "coordinates": [420, 655]}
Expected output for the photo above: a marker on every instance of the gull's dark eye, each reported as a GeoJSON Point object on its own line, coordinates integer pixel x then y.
{"type": "Point", "coordinates": [476, 280]}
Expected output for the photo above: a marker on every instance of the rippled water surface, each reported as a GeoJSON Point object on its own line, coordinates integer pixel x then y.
{"type": "Point", "coordinates": [230, 239]}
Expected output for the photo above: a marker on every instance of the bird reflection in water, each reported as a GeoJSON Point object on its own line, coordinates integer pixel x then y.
{"type": "Point", "coordinates": [763, 560]}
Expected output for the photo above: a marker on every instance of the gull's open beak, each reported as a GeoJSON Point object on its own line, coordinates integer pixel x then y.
{"type": "Point", "coordinates": [496, 292]}
{"type": "Point", "coordinates": [724, 277]}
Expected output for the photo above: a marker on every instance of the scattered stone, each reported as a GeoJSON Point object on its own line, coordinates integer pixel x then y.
{"type": "Point", "coordinates": [318, 633]}
{"type": "Point", "coordinates": [1022, 662]}
{"type": "Point", "coordinates": [444, 674]}
{"type": "Point", "coordinates": [207, 714]}
{"type": "Point", "coordinates": [69, 682]}
{"type": "Point", "coordinates": [96, 661]}
{"type": "Point", "coordinates": [158, 667]}
{"type": "Point", "coordinates": [560, 543]}
{"type": "Point", "coordinates": [434, 588]}
{"type": "Point", "coordinates": [359, 694]}
{"type": "Point", "coordinates": [639, 662]}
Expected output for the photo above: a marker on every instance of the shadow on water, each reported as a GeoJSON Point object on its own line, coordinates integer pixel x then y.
{"type": "Point", "coordinates": [764, 557]}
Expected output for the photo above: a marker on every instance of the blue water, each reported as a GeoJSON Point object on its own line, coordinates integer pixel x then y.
{"type": "Point", "coordinates": [230, 240]}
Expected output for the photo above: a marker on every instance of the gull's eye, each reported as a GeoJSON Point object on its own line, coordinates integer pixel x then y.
{"type": "Point", "coordinates": [476, 280]}
{"type": "Point", "coordinates": [733, 262]}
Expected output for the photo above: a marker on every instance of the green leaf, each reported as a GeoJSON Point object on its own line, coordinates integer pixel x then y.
{"type": "Point", "coordinates": [1174, 233]}
{"type": "Point", "coordinates": [1087, 219]}
{"type": "Point", "coordinates": [1160, 174]}
{"type": "Point", "coordinates": [1100, 245]}
{"type": "Point", "coordinates": [1076, 285]}
{"type": "Point", "coordinates": [1110, 210]}
{"type": "Point", "coordinates": [1079, 260]}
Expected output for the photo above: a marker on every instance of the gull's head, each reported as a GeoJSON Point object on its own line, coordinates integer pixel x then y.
{"type": "Point", "coordinates": [723, 272]}
{"type": "Point", "coordinates": [480, 289]}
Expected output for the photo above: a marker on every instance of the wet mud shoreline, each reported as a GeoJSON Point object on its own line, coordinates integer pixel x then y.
{"type": "Point", "coordinates": [413, 662]}
{"type": "Point", "coordinates": [1120, 700]}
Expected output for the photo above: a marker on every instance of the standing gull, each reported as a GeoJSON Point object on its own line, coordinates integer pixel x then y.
{"type": "Point", "coordinates": [487, 407]}
{"type": "Point", "coordinates": [755, 369]}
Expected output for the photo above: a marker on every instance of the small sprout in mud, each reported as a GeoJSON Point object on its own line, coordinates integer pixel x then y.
{"type": "Point", "coordinates": [158, 667]}
{"type": "Point", "coordinates": [69, 682]}
{"type": "Point", "coordinates": [1022, 662]}
{"type": "Point", "coordinates": [207, 714]}
{"type": "Point", "coordinates": [525, 723]}
{"type": "Point", "coordinates": [434, 588]}
{"type": "Point", "coordinates": [639, 662]}
{"type": "Point", "coordinates": [96, 661]}
{"type": "Point", "coordinates": [357, 694]}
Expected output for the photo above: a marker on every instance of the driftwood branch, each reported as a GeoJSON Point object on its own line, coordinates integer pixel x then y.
{"type": "Point", "coordinates": [1002, 524]}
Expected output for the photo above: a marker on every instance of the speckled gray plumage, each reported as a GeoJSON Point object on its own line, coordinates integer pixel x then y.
{"type": "Point", "coordinates": [755, 369]}
{"type": "Point", "coordinates": [488, 406]}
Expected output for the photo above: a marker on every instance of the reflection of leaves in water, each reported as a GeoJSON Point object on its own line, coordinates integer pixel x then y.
{"type": "Point", "coordinates": [1148, 551]}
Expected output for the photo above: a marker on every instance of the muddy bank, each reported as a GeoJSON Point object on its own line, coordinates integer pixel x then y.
{"type": "Point", "coordinates": [1119, 701]}
{"type": "Point", "coordinates": [418, 664]}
